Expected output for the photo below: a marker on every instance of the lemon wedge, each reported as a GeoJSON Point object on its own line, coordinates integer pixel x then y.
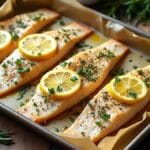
{"type": "Point", "coordinates": [60, 83]}
{"type": "Point", "coordinates": [5, 39]}
{"type": "Point", "coordinates": [127, 89]}
{"type": "Point", "coordinates": [37, 46]}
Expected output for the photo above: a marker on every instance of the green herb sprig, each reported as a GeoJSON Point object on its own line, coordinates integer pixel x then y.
{"type": "Point", "coordinates": [6, 137]}
{"type": "Point", "coordinates": [128, 9]}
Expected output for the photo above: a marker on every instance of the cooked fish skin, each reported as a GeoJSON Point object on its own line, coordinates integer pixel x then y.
{"type": "Point", "coordinates": [25, 24]}
{"type": "Point", "coordinates": [10, 76]}
{"type": "Point", "coordinates": [90, 122]}
{"type": "Point", "coordinates": [41, 108]}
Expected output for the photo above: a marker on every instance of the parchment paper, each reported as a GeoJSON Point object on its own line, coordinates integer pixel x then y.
{"type": "Point", "coordinates": [72, 9]}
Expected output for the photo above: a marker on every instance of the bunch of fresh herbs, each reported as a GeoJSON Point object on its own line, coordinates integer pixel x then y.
{"type": "Point", "coordinates": [129, 10]}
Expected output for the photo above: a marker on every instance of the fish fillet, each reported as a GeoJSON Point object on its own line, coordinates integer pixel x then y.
{"type": "Point", "coordinates": [102, 106]}
{"type": "Point", "coordinates": [24, 24]}
{"type": "Point", "coordinates": [10, 75]}
{"type": "Point", "coordinates": [93, 67]}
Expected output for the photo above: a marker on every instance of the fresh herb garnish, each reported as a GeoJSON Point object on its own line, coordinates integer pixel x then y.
{"type": "Point", "coordinates": [71, 119]}
{"type": "Point", "coordinates": [147, 81]}
{"type": "Point", "coordinates": [5, 137]}
{"type": "Point", "coordinates": [36, 17]}
{"type": "Point", "coordinates": [59, 89]}
{"type": "Point", "coordinates": [98, 123]}
{"type": "Point", "coordinates": [107, 53]}
{"type": "Point", "coordinates": [135, 67]}
{"type": "Point", "coordinates": [18, 62]}
{"type": "Point", "coordinates": [87, 71]}
{"type": "Point", "coordinates": [74, 78]}
{"type": "Point", "coordinates": [132, 94]}
{"type": "Point", "coordinates": [14, 35]}
{"type": "Point", "coordinates": [22, 70]}
{"type": "Point", "coordinates": [64, 64]}
{"type": "Point", "coordinates": [4, 65]}
{"type": "Point", "coordinates": [21, 24]}
{"type": "Point", "coordinates": [117, 72]}
{"type": "Point", "coordinates": [51, 91]}
{"type": "Point", "coordinates": [83, 133]}
{"type": "Point", "coordinates": [61, 22]}
{"type": "Point", "coordinates": [23, 91]}
{"type": "Point", "coordinates": [126, 9]}
{"type": "Point", "coordinates": [56, 129]}
{"type": "Point", "coordinates": [105, 116]}
{"type": "Point", "coordinates": [117, 79]}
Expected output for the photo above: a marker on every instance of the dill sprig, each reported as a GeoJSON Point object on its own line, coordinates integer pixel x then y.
{"type": "Point", "coordinates": [6, 137]}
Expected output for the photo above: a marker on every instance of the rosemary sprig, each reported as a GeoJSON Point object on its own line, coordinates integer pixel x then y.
{"type": "Point", "coordinates": [6, 137]}
{"type": "Point", "coordinates": [128, 9]}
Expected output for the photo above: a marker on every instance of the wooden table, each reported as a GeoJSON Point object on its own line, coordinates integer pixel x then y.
{"type": "Point", "coordinates": [24, 138]}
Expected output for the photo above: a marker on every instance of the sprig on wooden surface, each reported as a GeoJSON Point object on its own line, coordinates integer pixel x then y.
{"type": "Point", "coordinates": [6, 137]}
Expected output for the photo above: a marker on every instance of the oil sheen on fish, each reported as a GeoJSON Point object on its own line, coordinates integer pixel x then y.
{"type": "Point", "coordinates": [103, 114]}
{"type": "Point", "coordinates": [92, 65]}
{"type": "Point", "coordinates": [16, 70]}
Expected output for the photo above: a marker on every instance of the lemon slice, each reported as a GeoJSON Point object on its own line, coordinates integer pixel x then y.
{"type": "Point", "coordinates": [127, 89]}
{"type": "Point", "coordinates": [60, 83]}
{"type": "Point", "coordinates": [38, 46]}
{"type": "Point", "coordinates": [5, 39]}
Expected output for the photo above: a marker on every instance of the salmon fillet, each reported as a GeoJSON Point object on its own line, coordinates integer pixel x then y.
{"type": "Point", "coordinates": [103, 114]}
{"type": "Point", "coordinates": [16, 70]}
{"type": "Point", "coordinates": [24, 24]}
{"type": "Point", "coordinates": [92, 66]}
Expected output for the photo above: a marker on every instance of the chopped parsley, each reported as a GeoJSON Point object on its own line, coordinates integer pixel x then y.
{"type": "Point", "coordinates": [22, 70]}
{"type": "Point", "coordinates": [87, 71]}
{"type": "Point", "coordinates": [118, 72]}
{"type": "Point", "coordinates": [106, 53]}
{"type": "Point", "coordinates": [147, 81]}
{"type": "Point", "coordinates": [23, 91]}
{"type": "Point", "coordinates": [117, 79]}
{"type": "Point", "coordinates": [105, 116]}
{"type": "Point", "coordinates": [135, 67]}
{"type": "Point", "coordinates": [83, 46]}
{"type": "Point", "coordinates": [18, 62]}
{"type": "Point", "coordinates": [56, 129]}
{"type": "Point", "coordinates": [59, 89]}
{"type": "Point", "coordinates": [51, 91]}
{"type": "Point", "coordinates": [64, 64]}
{"type": "Point", "coordinates": [14, 35]}
{"type": "Point", "coordinates": [36, 17]}
{"type": "Point", "coordinates": [74, 78]}
{"type": "Point", "coordinates": [71, 119]}
{"type": "Point", "coordinates": [98, 123]}
{"type": "Point", "coordinates": [83, 133]}
{"type": "Point", "coordinates": [21, 24]}
{"type": "Point", "coordinates": [132, 94]}
{"type": "Point", "coordinates": [61, 22]}
{"type": "Point", "coordinates": [4, 65]}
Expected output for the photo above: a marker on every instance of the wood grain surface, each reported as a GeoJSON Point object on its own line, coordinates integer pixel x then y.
{"type": "Point", "coordinates": [24, 138]}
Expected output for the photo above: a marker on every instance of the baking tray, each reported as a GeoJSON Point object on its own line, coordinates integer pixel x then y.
{"type": "Point", "coordinates": [41, 130]}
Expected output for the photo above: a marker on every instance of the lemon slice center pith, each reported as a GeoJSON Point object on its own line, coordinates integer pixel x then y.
{"type": "Point", "coordinates": [38, 46]}
{"type": "Point", "coordinates": [60, 83]}
{"type": "Point", "coordinates": [127, 89]}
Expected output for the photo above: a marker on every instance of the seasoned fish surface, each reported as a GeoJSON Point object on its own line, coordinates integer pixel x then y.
{"type": "Point", "coordinates": [103, 114]}
{"type": "Point", "coordinates": [16, 70]}
{"type": "Point", "coordinates": [24, 24]}
{"type": "Point", "coordinates": [93, 67]}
